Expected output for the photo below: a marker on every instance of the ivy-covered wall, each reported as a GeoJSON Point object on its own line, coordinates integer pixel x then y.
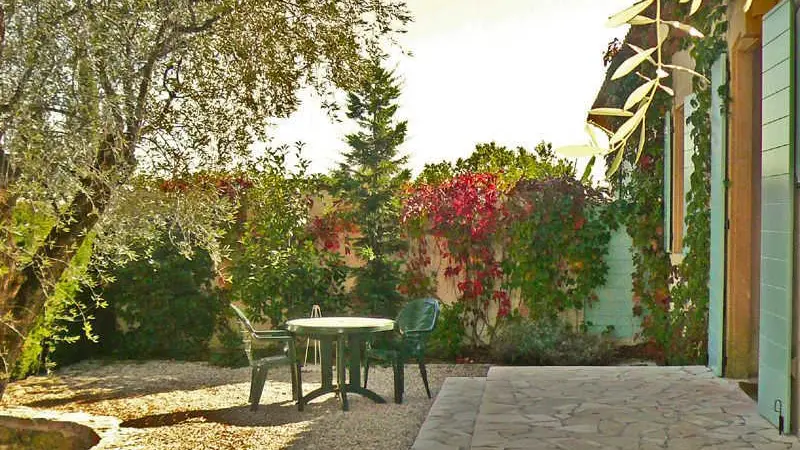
{"type": "Point", "coordinates": [672, 300]}
{"type": "Point", "coordinates": [690, 291]}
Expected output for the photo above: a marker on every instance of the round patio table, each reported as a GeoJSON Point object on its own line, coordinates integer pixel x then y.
{"type": "Point", "coordinates": [343, 330]}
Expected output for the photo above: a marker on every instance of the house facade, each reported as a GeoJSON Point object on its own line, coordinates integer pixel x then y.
{"type": "Point", "coordinates": [754, 274]}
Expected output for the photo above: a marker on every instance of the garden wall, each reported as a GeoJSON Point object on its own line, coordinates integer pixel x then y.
{"type": "Point", "coordinates": [614, 307]}
{"type": "Point", "coordinates": [613, 311]}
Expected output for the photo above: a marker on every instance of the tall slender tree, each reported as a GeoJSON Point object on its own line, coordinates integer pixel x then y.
{"type": "Point", "coordinates": [369, 182]}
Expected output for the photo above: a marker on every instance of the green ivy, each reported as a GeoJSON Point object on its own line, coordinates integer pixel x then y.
{"type": "Point", "coordinates": [61, 309]}
{"type": "Point", "coordinates": [690, 294]}
{"type": "Point", "coordinates": [558, 236]}
{"type": "Point", "coordinates": [675, 319]}
{"type": "Point", "coordinates": [642, 202]}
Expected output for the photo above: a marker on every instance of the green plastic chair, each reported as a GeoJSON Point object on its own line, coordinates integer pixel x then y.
{"type": "Point", "coordinates": [261, 365]}
{"type": "Point", "coordinates": [414, 324]}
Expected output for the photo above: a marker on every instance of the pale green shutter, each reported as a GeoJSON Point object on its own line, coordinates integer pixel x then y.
{"type": "Point", "coordinates": [688, 152]}
{"type": "Point", "coordinates": [777, 214]}
{"type": "Point", "coordinates": [668, 181]}
{"type": "Point", "coordinates": [716, 282]}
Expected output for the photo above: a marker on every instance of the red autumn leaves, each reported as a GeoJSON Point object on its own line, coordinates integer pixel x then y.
{"type": "Point", "coordinates": [462, 214]}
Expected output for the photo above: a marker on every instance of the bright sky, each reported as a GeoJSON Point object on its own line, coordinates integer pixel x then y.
{"type": "Point", "coordinates": [511, 71]}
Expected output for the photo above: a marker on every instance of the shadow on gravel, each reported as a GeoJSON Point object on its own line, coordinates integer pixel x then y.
{"type": "Point", "coordinates": [86, 391]}
{"type": "Point", "coordinates": [94, 382]}
{"type": "Point", "coordinates": [274, 414]}
{"type": "Point", "coordinates": [267, 415]}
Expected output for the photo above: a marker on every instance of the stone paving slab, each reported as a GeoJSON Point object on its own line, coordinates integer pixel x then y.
{"type": "Point", "coordinates": [618, 408]}
{"type": "Point", "coordinates": [451, 419]}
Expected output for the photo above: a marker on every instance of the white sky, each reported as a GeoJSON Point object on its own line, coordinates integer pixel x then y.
{"type": "Point", "coordinates": [513, 71]}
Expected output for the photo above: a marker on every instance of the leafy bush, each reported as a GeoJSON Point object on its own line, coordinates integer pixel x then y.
{"type": "Point", "coordinates": [447, 339]}
{"type": "Point", "coordinates": [166, 304]}
{"type": "Point", "coordinates": [558, 235]}
{"type": "Point", "coordinates": [549, 342]}
{"type": "Point", "coordinates": [276, 268]}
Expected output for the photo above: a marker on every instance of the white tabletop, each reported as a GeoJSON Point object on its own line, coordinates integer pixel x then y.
{"type": "Point", "coordinates": [339, 325]}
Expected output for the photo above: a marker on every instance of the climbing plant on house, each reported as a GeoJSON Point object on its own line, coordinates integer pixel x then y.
{"type": "Point", "coordinates": [368, 184]}
{"type": "Point", "coordinates": [641, 202]}
{"type": "Point", "coordinates": [690, 293]}
{"type": "Point", "coordinates": [672, 302]}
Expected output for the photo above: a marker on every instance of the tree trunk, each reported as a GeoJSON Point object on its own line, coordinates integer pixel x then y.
{"type": "Point", "coordinates": [23, 294]}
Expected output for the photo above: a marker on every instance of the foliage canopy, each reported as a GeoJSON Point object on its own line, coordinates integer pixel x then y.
{"type": "Point", "coordinates": [93, 92]}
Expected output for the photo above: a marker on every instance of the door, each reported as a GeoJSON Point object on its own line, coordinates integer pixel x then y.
{"type": "Point", "coordinates": [716, 282]}
{"type": "Point", "coordinates": [777, 215]}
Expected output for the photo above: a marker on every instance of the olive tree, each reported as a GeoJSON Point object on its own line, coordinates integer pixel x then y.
{"type": "Point", "coordinates": [96, 94]}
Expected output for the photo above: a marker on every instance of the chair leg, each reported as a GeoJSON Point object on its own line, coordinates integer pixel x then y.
{"type": "Point", "coordinates": [257, 386]}
{"type": "Point", "coordinates": [399, 381]}
{"type": "Point", "coordinates": [299, 389]}
{"type": "Point", "coordinates": [366, 372]}
{"type": "Point", "coordinates": [253, 377]}
{"type": "Point", "coordinates": [294, 374]}
{"type": "Point", "coordinates": [424, 372]}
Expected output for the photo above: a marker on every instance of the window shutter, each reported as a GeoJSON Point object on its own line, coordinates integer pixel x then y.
{"type": "Point", "coordinates": [777, 216]}
{"type": "Point", "coordinates": [668, 182]}
{"type": "Point", "coordinates": [688, 153]}
{"type": "Point", "coordinates": [716, 282]}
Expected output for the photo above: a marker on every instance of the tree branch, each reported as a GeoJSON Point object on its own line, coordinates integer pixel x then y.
{"type": "Point", "coordinates": [198, 28]}
{"type": "Point", "coordinates": [17, 95]}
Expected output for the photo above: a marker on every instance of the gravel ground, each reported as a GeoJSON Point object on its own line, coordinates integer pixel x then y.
{"type": "Point", "coordinates": [185, 405]}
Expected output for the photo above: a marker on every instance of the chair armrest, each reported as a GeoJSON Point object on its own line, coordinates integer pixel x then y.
{"type": "Point", "coordinates": [417, 333]}
{"type": "Point", "coordinates": [278, 335]}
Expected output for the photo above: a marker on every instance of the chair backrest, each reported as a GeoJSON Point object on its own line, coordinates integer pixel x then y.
{"type": "Point", "coordinates": [419, 315]}
{"type": "Point", "coordinates": [243, 319]}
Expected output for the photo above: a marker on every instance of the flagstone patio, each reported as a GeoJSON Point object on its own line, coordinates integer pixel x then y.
{"type": "Point", "coordinates": [579, 408]}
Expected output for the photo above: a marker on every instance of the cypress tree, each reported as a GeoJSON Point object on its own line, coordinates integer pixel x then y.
{"type": "Point", "coordinates": [369, 182]}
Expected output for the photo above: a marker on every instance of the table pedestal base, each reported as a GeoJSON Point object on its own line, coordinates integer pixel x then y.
{"type": "Point", "coordinates": [343, 386]}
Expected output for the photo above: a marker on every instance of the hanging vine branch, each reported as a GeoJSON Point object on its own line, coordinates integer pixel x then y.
{"type": "Point", "coordinates": [640, 99]}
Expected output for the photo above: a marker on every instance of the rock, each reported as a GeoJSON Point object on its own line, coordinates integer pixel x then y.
{"type": "Point", "coordinates": [28, 428]}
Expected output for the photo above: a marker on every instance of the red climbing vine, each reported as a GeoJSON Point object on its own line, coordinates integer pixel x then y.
{"type": "Point", "coordinates": [463, 215]}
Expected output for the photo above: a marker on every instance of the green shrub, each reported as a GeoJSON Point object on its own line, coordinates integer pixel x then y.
{"type": "Point", "coordinates": [549, 342]}
{"type": "Point", "coordinates": [558, 236]}
{"type": "Point", "coordinates": [276, 268]}
{"type": "Point", "coordinates": [166, 305]}
{"type": "Point", "coordinates": [230, 352]}
{"type": "Point", "coordinates": [447, 339]}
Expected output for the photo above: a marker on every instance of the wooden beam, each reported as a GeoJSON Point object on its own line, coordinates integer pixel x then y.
{"type": "Point", "coordinates": [741, 303]}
